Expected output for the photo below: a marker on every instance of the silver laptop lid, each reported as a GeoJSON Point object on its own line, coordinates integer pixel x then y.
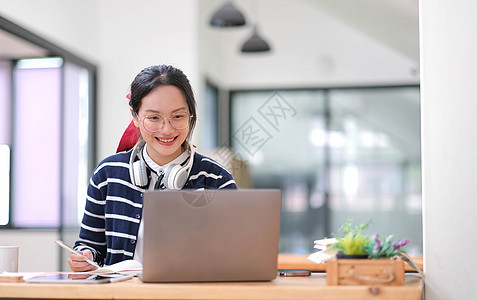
{"type": "Point", "coordinates": [211, 235]}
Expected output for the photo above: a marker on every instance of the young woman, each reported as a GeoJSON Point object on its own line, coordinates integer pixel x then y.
{"type": "Point", "coordinates": [154, 153]}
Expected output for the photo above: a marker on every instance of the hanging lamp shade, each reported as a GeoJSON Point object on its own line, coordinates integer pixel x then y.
{"type": "Point", "coordinates": [227, 16]}
{"type": "Point", "coordinates": [255, 43]}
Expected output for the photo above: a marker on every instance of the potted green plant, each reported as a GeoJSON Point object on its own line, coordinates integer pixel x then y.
{"type": "Point", "coordinates": [364, 260]}
{"type": "Point", "coordinates": [354, 243]}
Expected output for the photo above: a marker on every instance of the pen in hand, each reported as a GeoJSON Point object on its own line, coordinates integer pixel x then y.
{"type": "Point", "coordinates": [64, 246]}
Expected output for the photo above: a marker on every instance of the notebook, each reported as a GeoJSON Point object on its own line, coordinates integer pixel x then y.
{"type": "Point", "coordinates": [211, 235]}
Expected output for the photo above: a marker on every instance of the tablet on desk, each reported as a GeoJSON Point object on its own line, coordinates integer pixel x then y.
{"type": "Point", "coordinates": [82, 278]}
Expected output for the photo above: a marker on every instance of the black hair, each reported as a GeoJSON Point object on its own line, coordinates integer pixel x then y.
{"type": "Point", "coordinates": [152, 77]}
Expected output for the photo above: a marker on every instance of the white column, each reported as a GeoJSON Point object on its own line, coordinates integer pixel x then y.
{"type": "Point", "coordinates": [448, 43]}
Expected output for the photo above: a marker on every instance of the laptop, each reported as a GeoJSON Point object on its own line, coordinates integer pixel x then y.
{"type": "Point", "coordinates": [211, 235]}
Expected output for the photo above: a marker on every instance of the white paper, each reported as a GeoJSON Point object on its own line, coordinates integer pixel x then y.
{"type": "Point", "coordinates": [129, 266]}
{"type": "Point", "coordinates": [323, 256]}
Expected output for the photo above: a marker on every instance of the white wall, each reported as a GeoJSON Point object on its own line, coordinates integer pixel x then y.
{"type": "Point", "coordinates": [133, 35]}
{"type": "Point", "coordinates": [449, 147]}
{"type": "Point", "coordinates": [38, 251]}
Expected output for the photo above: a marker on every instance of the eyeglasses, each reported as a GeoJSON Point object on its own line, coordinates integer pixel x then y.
{"type": "Point", "coordinates": [154, 123]}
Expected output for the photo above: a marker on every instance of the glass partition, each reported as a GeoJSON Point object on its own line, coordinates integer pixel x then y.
{"type": "Point", "coordinates": [335, 154]}
{"type": "Point", "coordinates": [375, 170]}
{"type": "Point", "coordinates": [36, 131]}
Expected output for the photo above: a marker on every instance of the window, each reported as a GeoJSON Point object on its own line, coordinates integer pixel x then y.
{"type": "Point", "coordinates": [36, 142]}
{"type": "Point", "coordinates": [210, 120]}
{"type": "Point", "coordinates": [47, 139]}
{"type": "Point", "coordinates": [335, 154]}
{"type": "Point", "coordinates": [46, 144]}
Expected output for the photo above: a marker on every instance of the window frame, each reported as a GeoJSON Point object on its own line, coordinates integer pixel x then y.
{"type": "Point", "coordinates": [53, 50]}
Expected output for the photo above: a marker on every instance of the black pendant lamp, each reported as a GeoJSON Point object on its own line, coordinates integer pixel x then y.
{"type": "Point", "coordinates": [255, 43]}
{"type": "Point", "coordinates": [227, 16]}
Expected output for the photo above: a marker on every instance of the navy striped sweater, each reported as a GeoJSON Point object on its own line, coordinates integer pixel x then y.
{"type": "Point", "coordinates": [113, 208]}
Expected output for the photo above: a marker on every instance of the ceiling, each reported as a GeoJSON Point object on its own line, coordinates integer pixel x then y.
{"type": "Point", "coordinates": [13, 47]}
{"type": "Point", "coordinates": [398, 22]}
{"type": "Point", "coordinates": [392, 23]}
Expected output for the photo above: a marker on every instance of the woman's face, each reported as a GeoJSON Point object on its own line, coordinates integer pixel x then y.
{"type": "Point", "coordinates": [167, 101]}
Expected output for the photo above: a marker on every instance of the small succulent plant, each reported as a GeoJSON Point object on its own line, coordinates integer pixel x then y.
{"type": "Point", "coordinates": [354, 242]}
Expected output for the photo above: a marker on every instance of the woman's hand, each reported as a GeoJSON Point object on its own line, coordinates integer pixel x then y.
{"type": "Point", "coordinates": [79, 264]}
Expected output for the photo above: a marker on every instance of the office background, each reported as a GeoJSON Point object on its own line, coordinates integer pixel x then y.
{"type": "Point", "coordinates": [318, 45]}
{"type": "Point", "coordinates": [310, 68]}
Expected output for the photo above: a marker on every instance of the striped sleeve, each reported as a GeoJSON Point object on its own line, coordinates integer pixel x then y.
{"type": "Point", "coordinates": [112, 212]}
{"type": "Point", "coordinates": [92, 231]}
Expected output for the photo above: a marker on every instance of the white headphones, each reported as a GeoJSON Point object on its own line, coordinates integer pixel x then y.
{"type": "Point", "coordinates": [174, 177]}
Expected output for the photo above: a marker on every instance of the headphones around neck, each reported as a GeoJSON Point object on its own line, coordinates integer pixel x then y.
{"type": "Point", "coordinates": [175, 176]}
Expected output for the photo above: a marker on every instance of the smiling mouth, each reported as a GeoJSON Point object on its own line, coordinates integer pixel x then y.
{"type": "Point", "coordinates": [166, 140]}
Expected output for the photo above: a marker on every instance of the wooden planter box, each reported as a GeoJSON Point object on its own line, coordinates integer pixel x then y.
{"type": "Point", "coordinates": [365, 272]}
